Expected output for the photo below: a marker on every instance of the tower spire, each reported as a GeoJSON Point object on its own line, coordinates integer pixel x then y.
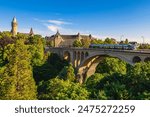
{"type": "Point", "coordinates": [14, 20]}
{"type": "Point", "coordinates": [79, 36]}
{"type": "Point", "coordinates": [31, 32]}
{"type": "Point", "coordinates": [57, 33]}
{"type": "Point", "coordinates": [14, 26]}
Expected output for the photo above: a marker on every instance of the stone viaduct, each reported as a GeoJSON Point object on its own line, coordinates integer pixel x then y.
{"type": "Point", "coordinates": [85, 60]}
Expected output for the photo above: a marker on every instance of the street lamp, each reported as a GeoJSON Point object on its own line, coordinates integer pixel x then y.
{"type": "Point", "coordinates": [121, 37]}
{"type": "Point", "coordinates": [143, 39]}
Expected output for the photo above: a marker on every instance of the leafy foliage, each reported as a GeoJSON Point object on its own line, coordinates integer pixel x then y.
{"type": "Point", "coordinates": [77, 43]}
{"type": "Point", "coordinates": [57, 89]}
{"type": "Point", "coordinates": [36, 47]}
{"type": "Point", "coordinates": [134, 84]}
{"type": "Point", "coordinates": [67, 73]}
{"type": "Point", "coordinates": [50, 69]}
{"type": "Point", "coordinates": [97, 41]}
{"type": "Point", "coordinates": [109, 41]}
{"type": "Point", "coordinates": [28, 72]}
{"type": "Point", "coordinates": [111, 65]}
{"type": "Point", "coordinates": [17, 81]}
{"type": "Point", "coordinates": [139, 81]}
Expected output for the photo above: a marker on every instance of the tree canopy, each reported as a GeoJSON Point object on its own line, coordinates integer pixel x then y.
{"type": "Point", "coordinates": [28, 72]}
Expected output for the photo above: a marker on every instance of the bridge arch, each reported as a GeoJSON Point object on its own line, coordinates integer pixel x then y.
{"type": "Point", "coordinates": [82, 56]}
{"type": "Point", "coordinates": [78, 58]}
{"type": "Point", "coordinates": [89, 64]}
{"type": "Point", "coordinates": [91, 55]}
{"type": "Point", "coordinates": [86, 54]}
{"type": "Point", "coordinates": [67, 56]}
{"type": "Point", "coordinates": [147, 59]}
{"type": "Point", "coordinates": [136, 59]}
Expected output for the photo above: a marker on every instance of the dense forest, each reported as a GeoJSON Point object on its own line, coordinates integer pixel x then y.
{"type": "Point", "coordinates": [27, 72]}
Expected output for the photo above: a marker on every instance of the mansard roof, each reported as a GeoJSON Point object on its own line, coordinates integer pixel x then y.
{"type": "Point", "coordinates": [71, 36]}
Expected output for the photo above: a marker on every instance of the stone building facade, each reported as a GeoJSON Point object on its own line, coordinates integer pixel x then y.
{"type": "Point", "coordinates": [59, 40]}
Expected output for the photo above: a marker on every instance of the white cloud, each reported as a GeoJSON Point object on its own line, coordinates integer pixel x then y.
{"type": "Point", "coordinates": [58, 22]}
{"type": "Point", "coordinates": [54, 25]}
{"type": "Point", "coordinates": [53, 28]}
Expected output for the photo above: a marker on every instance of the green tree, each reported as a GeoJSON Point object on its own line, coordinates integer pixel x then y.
{"type": "Point", "coordinates": [144, 46]}
{"type": "Point", "coordinates": [97, 41]}
{"type": "Point", "coordinates": [138, 81]}
{"type": "Point", "coordinates": [107, 86]}
{"type": "Point", "coordinates": [111, 65]}
{"type": "Point", "coordinates": [92, 86]}
{"type": "Point", "coordinates": [116, 91]}
{"type": "Point", "coordinates": [77, 43]}
{"type": "Point", "coordinates": [126, 41]}
{"type": "Point", "coordinates": [50, 69]}
{"type": "Point", "coordinates": [17, 81]}
{"type": "Point", "coordinates": [5, 39]}
{"type": "Point", "coordinates": [36, 47]}
{"type": "Point", "coordinates": [57, 89]}
{"type": "Point", "coordinates": [86, 43]}
{"type": "Point", "coordinates": [67, 73]}
{"type": "Point", "coordinates": [109, 41]}
{"type": "Point", "coordinates": [50, 43]}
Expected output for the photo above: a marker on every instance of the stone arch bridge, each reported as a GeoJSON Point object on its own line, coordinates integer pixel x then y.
{"type": "Point", "coordinates": [85, 60]}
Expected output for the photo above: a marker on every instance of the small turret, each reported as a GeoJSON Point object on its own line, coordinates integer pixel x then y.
{"type": "Point", "coordinates": [90, 36]}
{"type": "Point", "coordinates": [31, 32]}
{"type": "Point", "coordinates": [57, 33]}
{"type": "Point", "coordinates": [14, 20]}
{"type": "Point", "coordinates": [78, 36]}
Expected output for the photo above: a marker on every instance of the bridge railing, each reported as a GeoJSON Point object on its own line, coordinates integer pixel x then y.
{"type": "Point", "coordinates": [99, 49]}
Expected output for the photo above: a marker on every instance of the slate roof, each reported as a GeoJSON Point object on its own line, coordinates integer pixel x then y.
{"type": "Point", "coordinates": [70, 36]}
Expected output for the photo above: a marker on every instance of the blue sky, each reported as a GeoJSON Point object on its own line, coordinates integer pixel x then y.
{"type": "Point", "coordinates": [101, 18]}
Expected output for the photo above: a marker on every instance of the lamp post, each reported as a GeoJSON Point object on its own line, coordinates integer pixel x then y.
{"type": "Point", "coordinates": [143, 39]}
{"type": "Point", "coordinates": [121, 37]}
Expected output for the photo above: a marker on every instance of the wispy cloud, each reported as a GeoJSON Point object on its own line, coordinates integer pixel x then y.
{"type": "Point", "coordinates": [38, 20]}
{"type": "Point", "coordinates": [61, 25]}
{"type": "Point", "coordinates": [53, 21]}
{"type": "Point", "coordinates": [54, 28]}
{"type": "Point", "coordinates": [53, 25]}
{"type": "Point", "coordinates": [58, 22]}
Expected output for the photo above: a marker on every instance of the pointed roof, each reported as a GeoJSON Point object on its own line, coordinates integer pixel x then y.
{"type": "Point", "coordinates": [31, 31]}
{"type": "Point", "coordinates": [90, 35]}
{"type": "Point", "coordinates": [14, 20]}
{"type": "Point", "coordinates": [78, 34]}
{"type": "Point", "coordinates": [57, 33]}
